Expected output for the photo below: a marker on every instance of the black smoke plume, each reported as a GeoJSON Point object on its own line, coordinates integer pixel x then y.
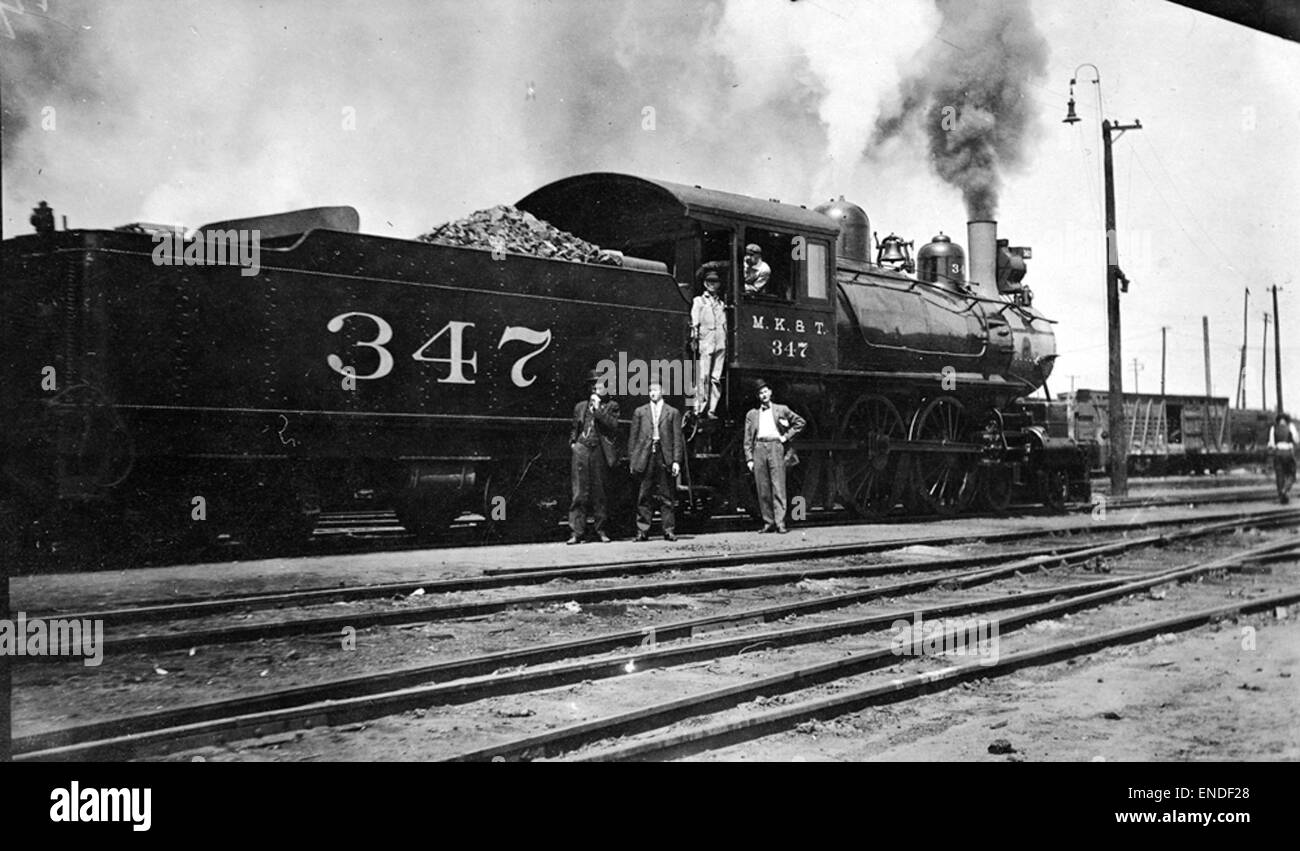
{"type": "Point", "coordinates": [967, 95]}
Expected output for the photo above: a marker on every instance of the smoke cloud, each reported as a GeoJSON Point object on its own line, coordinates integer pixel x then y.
{"type": "Point", "coordinates": [417, 112]}
{"type": "Point", "coordinates": [967, 96]}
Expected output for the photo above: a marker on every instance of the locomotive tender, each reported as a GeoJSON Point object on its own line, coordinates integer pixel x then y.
{"type": "Point", "coordinates": [149, 399]}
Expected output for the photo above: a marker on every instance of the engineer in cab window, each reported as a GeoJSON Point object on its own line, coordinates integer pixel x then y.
{"type": "Point", "coordinates": [757, 273]}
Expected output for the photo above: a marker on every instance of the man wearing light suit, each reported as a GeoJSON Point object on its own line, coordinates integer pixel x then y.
{"type": "Point", "coordinates": [768, 428]}
{"type": "Point", "coordinates": [655, 451]}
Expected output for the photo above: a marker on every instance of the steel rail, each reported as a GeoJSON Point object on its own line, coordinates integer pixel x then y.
{"type": "Point", "coordinates": [159, 641]}
{"type": "Point", "coordinates": [179, 611]}
{"type": "Point", "coordinates": [764, 723]}
{"type": "Point", "coordinates": [856, 548]}
{"type": "Point", "coordinates": [362, 698]}
{"type": "Point", "coordinates": [176, 608]}
{"type": "Point", "coordinates": [387, 535]}
{"type": "Point", "coordinates": [257, 712]}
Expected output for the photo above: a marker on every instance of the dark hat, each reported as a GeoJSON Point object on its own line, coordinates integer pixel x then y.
{"type": "Point", "coordinates": [1282, 417]}
{"type": "Point", "coordinates": [753, 248]}
{"type": "Point", "coordinates": [760, 384]}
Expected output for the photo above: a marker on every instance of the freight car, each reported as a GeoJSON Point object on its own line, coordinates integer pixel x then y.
{"type": "Point", "coordinates": [151, 398]}
{"type": "Point", "coordinates": [1172, 435]}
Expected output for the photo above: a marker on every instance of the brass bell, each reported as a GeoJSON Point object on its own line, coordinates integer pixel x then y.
{"type": "Point", "coordinates": [893, 250]}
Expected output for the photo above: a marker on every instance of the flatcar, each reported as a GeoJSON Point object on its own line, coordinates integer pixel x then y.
{"type": "Point", "coordinates": [151, 398]}
{"type": "Point", "coordinates": [1172, 434]}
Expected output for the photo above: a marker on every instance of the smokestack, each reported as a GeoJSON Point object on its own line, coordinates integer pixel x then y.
{"type": "Point", "coordinates": [982, 245]}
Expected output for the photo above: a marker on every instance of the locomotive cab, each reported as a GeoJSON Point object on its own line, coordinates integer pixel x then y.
{"type": "Point", "coordinates": [785, 330]}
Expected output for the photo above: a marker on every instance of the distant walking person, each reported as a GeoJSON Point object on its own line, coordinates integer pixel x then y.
{"type": "Point", "coordinates": [1282, 439]}
{"type": "Point", "coordinates": [709, 335]}
{"type": "Point", "coordinates": [655, 451]}
{"type": "Point", "coordinates": [595, 424]}
{"type": "Point", "coordinates": [767, 430]}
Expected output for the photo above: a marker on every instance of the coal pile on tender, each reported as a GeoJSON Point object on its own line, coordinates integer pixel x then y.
{"type": "Point", "coordinates": [505, 228]}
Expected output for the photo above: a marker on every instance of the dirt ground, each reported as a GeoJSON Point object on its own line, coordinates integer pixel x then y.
{"type": "Point", "coordinates": [1199, 695]}
{"type": "Point", "coordinates": [1227, 691]}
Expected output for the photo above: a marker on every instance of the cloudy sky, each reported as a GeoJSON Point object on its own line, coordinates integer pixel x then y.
{"type": "Point", "coordinates": [418, 112]}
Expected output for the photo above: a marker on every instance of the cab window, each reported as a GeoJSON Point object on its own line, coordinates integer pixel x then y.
{"type": "Point", "coordinates": [817, 254]}
{"type": "Point", "coordinates": [766, 265]}
{"type": "Point", "coordinates": [715, 247]}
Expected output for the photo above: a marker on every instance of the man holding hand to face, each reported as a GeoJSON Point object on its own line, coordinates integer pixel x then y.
{"type": "Point", "coordinates": [595, 423]}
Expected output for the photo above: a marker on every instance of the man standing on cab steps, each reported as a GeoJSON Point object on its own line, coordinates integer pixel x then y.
{"type": "Point", "coordinates": [655, 452]}
{"type": "Point", "coordinates": [709, 334]}
{"type": "Point", "coordinates": [1282, 439]}
{"type": "Point", "coordinates": [595, 423]}
{"type": "Point", "coordinates": [767, 430]}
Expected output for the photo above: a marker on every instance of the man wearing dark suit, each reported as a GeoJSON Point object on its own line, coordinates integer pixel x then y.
{"type": "Point", "coordinates": [767, 430]}
{"type": "Point", "coordinates": [655, 452]}
{"type": "Point", "coordinates": [595, 424]}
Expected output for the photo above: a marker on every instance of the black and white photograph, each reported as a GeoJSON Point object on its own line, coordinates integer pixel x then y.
{"type": "Point", "coordinates": [734, 381]}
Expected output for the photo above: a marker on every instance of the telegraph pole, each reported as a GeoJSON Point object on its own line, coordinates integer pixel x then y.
{"type": "Point", "coordinates": [1263, 366]}
{"type": "Point", "coordinates": [1240, 398]}
{"type": "Point", "coordinates": [1205, 329]}
{"type": "Point", "coordinates": [1163, 330]}
{"type": "Point", "coordinates": [6, 672]}
{"type": "Point", "coordinates": [1138, 366]}
{"type": "Point", "coordinates": [1114, 279]}
{"type": "Point", "coordinates": [1277, 351]}
{"type": "Point", "coordinates": [1118, 440]}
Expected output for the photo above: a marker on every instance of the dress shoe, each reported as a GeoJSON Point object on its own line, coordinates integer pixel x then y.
{"type": "Point", "coordinates": [767, 528]}
{"type": "Point", "coordinates": [669, 536]}
{"type": "Point", "coordinates": [573, 539]}
{"type": "Point", "coordinates": [604, 539]}
{"type": "Point", "coordinates": [780, 530]}
{"type": "Point", "coordinates": [641, 536]}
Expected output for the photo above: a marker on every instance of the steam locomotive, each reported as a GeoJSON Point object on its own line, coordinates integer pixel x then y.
{"type": "Point", "coordinates": [150, 398]}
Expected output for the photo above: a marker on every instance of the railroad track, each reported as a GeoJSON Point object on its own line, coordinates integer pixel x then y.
{"type": "Point", "coordinates": [730, 732]}
{"type": "Point", "coordinates": [178, 607]}
{"type": "Point", "coordinates": [473, 678]}
{"type": "Point", "coordinates": [348, 532]}
{"type": "Point", "coordinates": [472, 529]}
{"type": "Point", "coordinates": [496, 579]}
